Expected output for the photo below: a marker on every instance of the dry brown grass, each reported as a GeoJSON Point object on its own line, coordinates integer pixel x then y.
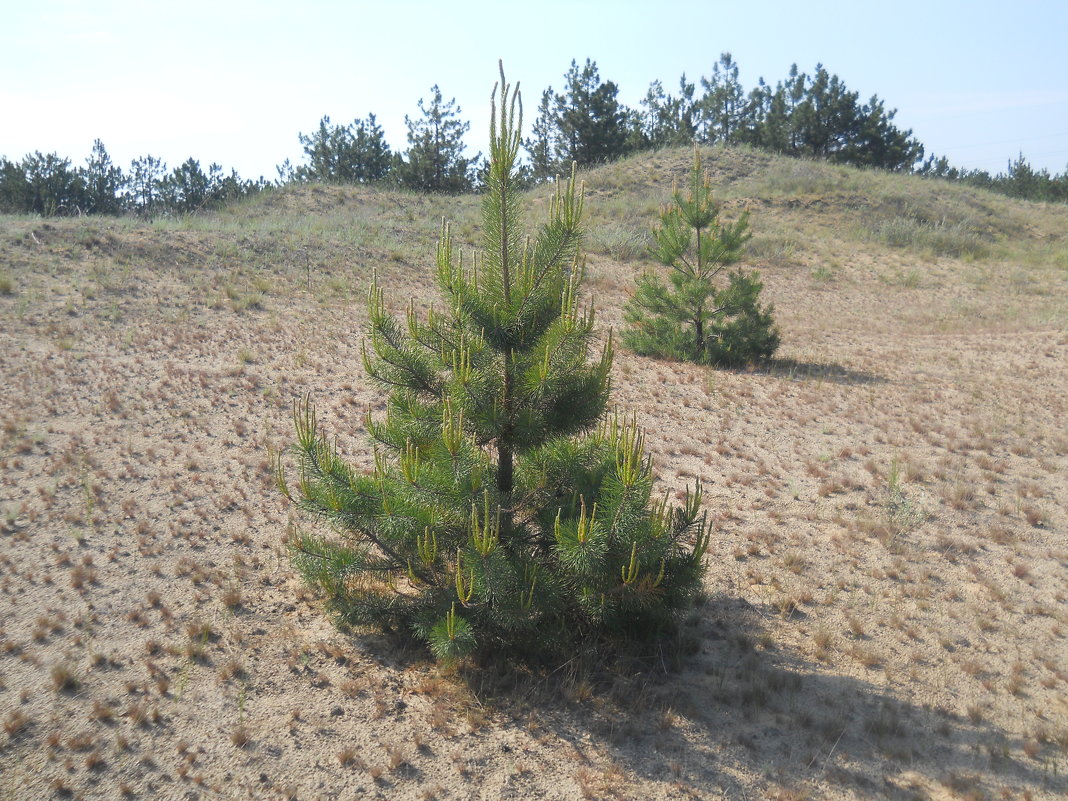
{"type": "Point", "coordinates": [885, 612]}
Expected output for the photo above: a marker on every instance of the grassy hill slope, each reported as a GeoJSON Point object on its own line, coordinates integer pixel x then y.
{"type": "Point", "coordinates": [887, 611]}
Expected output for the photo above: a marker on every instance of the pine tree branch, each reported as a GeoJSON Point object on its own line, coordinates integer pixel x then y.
{"type": "Point", "coordinates": [401, 564]}
{"type": "Point", "coordinates": [420, 382]}
{"type": "Point", "coordinates": [433, 348]}
{"type": "Point", "coordinates": [363, 567]}
{"type": "Point", "coordinates": [550, 264]}
{"type": "Point", "coordinates": [687, 269]}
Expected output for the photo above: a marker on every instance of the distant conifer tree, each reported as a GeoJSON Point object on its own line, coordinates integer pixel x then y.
{"type": "Point", "coordinates": [42, 183]}
{"type": "Point", "coordinates": [668, 120]}
{"type": "Point", "coordinates": [434, 161]}
{"type": "Point", "coordinates": [185, 188]}
{"type": "Point", "coordinates": [104, 182]}
{"type": "Point", "coordinates": [722, 109]}
{"type": "Point", "coordinates": [696, 318]}
{"type": "Point", "coordinates": [505, 510]}
{"type": "Point", "coordinates": [343, 154]}
{"type": "Point", "coordinates": [145, 184]}
{"type": "Point", "coordinates": [586, 125]}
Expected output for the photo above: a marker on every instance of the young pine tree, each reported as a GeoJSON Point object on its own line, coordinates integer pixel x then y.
{"type": "Point", "coordinates": [696, 318]}
{"type": "Point", "coordinates": [505, 509]}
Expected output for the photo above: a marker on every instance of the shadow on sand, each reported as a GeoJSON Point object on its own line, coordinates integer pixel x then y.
{"type": "Point", "coordinates": [795, 370]}
{"type": "Point", "coordinates": [738, 715]}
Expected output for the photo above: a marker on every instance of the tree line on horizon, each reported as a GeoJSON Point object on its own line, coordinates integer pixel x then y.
{"type": "Point", "coordinates": [806, 116]}
{"type": "Point", "coordinates": [49, 185]}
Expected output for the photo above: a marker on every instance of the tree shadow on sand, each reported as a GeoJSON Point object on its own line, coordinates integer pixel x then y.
{"type": "Point", "coordinates": [795, 370]}
{"type": "Point", "coordinates": [739, 713]}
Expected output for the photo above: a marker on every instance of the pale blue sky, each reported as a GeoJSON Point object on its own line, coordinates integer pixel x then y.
{"type": "Point", "coordinates": [234, 81]}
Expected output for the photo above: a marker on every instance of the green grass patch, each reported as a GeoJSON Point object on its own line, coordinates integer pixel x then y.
{"type": "Point", "coordinates": [942, 238]}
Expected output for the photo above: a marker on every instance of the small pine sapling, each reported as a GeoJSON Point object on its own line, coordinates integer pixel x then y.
{"type": "Point", "coordinates": [696, 318]}
{"type": "Point", "coordinates": [506, 511]}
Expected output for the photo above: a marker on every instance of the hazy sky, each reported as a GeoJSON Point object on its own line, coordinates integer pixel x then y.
{"type": "Point", "coordinates": [234, 81]}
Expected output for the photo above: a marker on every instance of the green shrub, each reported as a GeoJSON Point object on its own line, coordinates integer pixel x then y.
{"type": "Point", "coordinates": [694, 319]}
{"type": "Point", "coordinates": [505, 511]}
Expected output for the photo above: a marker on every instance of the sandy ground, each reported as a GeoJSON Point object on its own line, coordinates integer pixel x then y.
{"type": "Point", "coordinates": [886, 612]}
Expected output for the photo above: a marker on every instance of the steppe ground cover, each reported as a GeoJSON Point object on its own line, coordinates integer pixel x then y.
{"type": "Point", "coordinates": [886, 613]}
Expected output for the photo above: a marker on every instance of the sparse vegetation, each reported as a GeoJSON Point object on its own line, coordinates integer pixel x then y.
{"type": "Point", "coordinates": [939, 238]}
{"type": "Point", "coordinates": [902, 514]}
{"type": "Point", "coordinates": [64, 678]}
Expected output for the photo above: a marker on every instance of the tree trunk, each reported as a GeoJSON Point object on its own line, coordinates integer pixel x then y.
{"type": "Point", "coordinates": [505, 456]}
